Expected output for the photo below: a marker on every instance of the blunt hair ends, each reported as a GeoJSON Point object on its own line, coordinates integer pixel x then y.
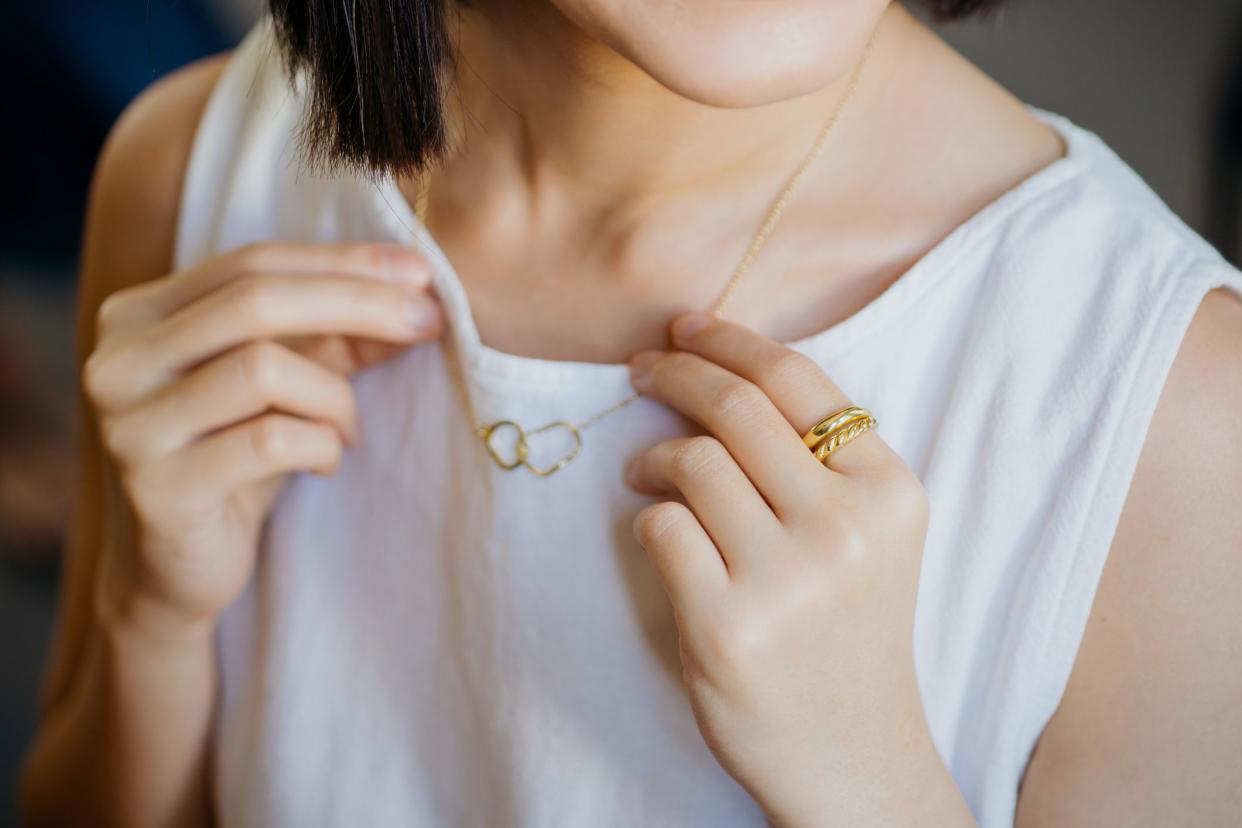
{"type": "Point", "coordinates": [376, 73]}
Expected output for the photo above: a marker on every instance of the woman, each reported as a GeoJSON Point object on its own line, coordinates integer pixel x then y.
{"type": "Point", "coordinates": [510, 594]}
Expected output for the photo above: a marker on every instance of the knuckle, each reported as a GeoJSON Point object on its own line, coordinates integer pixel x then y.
{"type": "Point", "coordinates": [251, 299]}
{"type": "Point", "coordinates": [333, 449]}
{"type": "Point", "coordinates": [672, 365]}
{"type": "Point", "coordinates": [109, 311]}
{"type": "Point", "coordinates": [104, 379]}
{"type": "Point", "coordinates": [844, 540]}
{"type": "Point", "coordinates": [694, 454]}
{"type": "Point", "coordinates": [735, 640]}
{"type": "Point", "coordinates": [372, 292]}
{"type": "Point", "coordinates": [736, 398]}
{"type": "Point", "coordinates": [659, 369]}
{"type": "Point", "coordinates": [656, 521]}
{"type": "Point", "coordinates": [372, 257]}
{"type": "Point", "coordinates": [850, 541]}
{"type": "Point", "coordinates": [255, 257]}
{"type": "Point", "coordinates": [792, 368]}
{"type": "Point", "coordinates": [342, 401]}
{"type": "Point", "coordinates": [94, 375]}
{"type": "Point", "coordinates": [259, 366]}
{"type": "Point", "coordinates": [270, 439]}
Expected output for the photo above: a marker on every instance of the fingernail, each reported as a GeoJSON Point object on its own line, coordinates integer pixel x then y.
{"type": "Point", "coordinates": [406, 265]}
{"type": "Point", "coordinates": [421, 314]}
{"type": "Point", "coordinates": [689, 324]}
{"type": "Point", "coordinates": [640, 366]}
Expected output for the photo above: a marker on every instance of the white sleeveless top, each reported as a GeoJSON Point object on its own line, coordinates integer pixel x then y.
{"type": "Point", "coordinates": [431, 641]}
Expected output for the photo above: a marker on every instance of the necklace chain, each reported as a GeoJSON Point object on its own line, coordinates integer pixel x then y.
{"type": "Point", "coordinates": [520, 457]}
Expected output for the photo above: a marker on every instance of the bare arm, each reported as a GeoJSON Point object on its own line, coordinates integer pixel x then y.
{"type": "Point", "coordinates": [121, 714]}
{"type": "Point", "coordinates": [204, 389]}
{"type": "Point", "coordinates": [1149, 732]}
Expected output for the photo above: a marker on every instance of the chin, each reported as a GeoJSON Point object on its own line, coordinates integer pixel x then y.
{"type": "Point", "coordinates": [733, 53]}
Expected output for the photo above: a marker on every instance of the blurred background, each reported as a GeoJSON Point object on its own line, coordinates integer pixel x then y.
{"type": "Point", "coordinates": [1160, 82]}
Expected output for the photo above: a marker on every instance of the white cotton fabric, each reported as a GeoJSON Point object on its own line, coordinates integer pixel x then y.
{"type": "Point", "coordinates": [430, 641]}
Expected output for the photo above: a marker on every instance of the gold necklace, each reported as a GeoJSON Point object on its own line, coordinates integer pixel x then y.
{"type": "Point", "coordinates": [521, 447]}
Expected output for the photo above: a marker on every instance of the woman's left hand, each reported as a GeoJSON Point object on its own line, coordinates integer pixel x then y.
{"type": "Point", "coordinates": [793, 584]}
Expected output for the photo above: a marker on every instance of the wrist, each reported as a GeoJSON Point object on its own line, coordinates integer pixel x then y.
{"type": "Point", "coordinates": [893, 776]}
{"type": "Point", "coordinates": [130, 619]}
{"type": "Point", "coordinates": [128, 612]}
{"type": "Point", "coordinates": [149, 655]}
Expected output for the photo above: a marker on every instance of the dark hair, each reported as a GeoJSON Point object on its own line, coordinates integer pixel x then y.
{"type": "Point", "coordinates": [376, 75]}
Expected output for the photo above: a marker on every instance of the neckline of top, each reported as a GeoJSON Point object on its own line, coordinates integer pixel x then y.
{"type": "Point", "coordinates": [937, 263]}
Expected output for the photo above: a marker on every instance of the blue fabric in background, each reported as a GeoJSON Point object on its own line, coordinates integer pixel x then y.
{"type": "Point", "coordinates": [72, 66]}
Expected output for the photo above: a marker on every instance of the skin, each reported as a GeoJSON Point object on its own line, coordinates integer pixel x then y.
{"type": "Point", "coordinates": [794, 619]}
{"type": "Point", "coordinates": [585, 205]}
{"type": "Point", "coordinates": [205, 388]}
{"type": "Point", "coordinates": [630, 203]}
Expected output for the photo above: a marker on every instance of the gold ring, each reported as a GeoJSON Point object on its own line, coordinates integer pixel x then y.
{"type": "Point", "coordinates": [838, 429]}
{"type": "Point", "coordinates": [832, 422]}
{"type": "Point", "coordinates": [842, 436]}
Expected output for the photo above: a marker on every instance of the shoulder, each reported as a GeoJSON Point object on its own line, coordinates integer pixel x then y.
{"type": "Point", "coordinates": [137, 183]}
{"type": "Point", "coordinates": [1148, 727]}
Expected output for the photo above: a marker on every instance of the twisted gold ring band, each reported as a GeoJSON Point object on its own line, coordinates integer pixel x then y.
{"type": "Point", "coordinates": [838, 429]}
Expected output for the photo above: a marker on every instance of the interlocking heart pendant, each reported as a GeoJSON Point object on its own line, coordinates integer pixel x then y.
{"type": "Point", "coordinates": [521, 445]}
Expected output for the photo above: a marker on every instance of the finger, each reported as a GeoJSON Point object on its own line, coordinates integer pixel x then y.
{"type": "Point", "coordinates": [132, 365]}
{"type": "Point", "coordinates": [799, 387]}
{"type": "Point", "coordinates": [739, 414]}
{"type": "Point", "coordinates": [721, 496]}
{"type": "Point", "coordinates": [241, 384]}
{"type": "Point", "coordinates": [250, 452]}
{"type": "Point", "coordinates": [145, 303]}
{"type": "Point", "coordinates": [342, 354]}
{"type": "Point", "coordinates": [683, 555]}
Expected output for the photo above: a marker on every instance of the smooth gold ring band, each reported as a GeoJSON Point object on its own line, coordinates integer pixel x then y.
{"type": "Point", "coordinates": [835, 420]}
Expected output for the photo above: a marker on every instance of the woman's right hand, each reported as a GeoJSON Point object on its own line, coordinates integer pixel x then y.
{"type": "Point", "coordinates": [212, 384]}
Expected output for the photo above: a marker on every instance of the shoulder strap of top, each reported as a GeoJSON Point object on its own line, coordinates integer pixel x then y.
{"type": "Point", "coordinates": [1064, 590]}
{"type": "Point", "coordinates": [243, 142]}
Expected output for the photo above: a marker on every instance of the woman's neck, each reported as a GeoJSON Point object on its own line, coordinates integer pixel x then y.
{"type": "Point", "coordinates": [584, 204]}
{"type": "Point", "coordinates": [558, 125]}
